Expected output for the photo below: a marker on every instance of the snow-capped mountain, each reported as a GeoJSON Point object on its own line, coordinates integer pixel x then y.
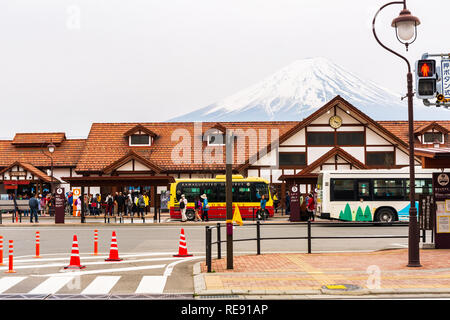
{"type": "Point", "coordinates": [295, 91]}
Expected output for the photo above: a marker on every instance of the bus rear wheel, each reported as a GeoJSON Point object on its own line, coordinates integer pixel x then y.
{"type": "Point", "coordinates": [385, 215]}
{"type": "Point", "coordinates": [190, 215]}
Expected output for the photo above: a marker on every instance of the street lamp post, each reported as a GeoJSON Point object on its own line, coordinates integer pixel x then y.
{"type": "Point", "coordinates": [51, 149]}
{"type": "Point", "coordinates": [406, 31]}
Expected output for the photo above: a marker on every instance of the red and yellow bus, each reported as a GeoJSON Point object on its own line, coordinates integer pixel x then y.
{"type": "Point", "coordinates": [247, 194]}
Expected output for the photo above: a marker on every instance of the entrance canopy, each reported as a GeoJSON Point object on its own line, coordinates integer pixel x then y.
{"type": "Point", "coordinates": [119, 181]}
{"type": "Point", "coordinates": [434, 157]}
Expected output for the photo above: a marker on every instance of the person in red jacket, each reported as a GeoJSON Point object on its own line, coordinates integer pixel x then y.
{"type": "Point", "coordinates": [310, 206]}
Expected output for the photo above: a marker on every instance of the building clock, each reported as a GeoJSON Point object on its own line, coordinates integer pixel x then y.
{"type": "Point", "coordinates": [335, 122]}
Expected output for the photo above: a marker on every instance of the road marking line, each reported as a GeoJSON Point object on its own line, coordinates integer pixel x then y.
{"type": "Point", "coordinates": [152, 284]}
{"type": "Point", "coordinates": [31, 266]}
{"type": "Point", "coordinates": [51, 285]}
{"type": "Point", "coordinates": [101, 285]}
{"type": "Point", "coordinates": [7, 282]}
{"type": "Point", "coordinates": [81, 273]}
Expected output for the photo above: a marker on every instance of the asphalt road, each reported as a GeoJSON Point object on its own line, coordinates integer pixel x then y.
{"type": "Point", "coordinates": [148, 265]}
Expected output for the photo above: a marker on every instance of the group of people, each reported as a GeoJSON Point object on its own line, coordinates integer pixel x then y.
{"type": "Point", "coordinates": [307, 204]}
{"type": "Point", "coordinates": [39, 205]}
{"type": "Point", "coordinates": [121, 203]}
{"type": "Point", "coordinates": [200, 205]}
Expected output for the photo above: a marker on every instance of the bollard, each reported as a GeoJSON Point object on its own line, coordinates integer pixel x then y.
{"type": "Point", "coordinates": [95, 242]}
{"type": "Point", "coordinates": [38, 236]}
{"type": "Point", "coordinates": [11, 253]}
{"type": "Point", "coordinates": [1, 251]}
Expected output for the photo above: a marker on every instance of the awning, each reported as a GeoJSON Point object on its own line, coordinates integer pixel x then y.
{"type": "Point", "coordinates": [132, 181]}
{"type": "Point", "coordinates": [434, 157]}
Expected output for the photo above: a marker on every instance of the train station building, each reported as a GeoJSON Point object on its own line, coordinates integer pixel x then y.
{"type": "Point", "coordinates": [148, 156]}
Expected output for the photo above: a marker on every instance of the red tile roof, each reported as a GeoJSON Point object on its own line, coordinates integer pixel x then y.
{"type": "Point", "coordinates": [106, 143]}
{"type": "Point", "coordinates": [37, 139]}
{"type": "Point", "coordinates": [66, 154]}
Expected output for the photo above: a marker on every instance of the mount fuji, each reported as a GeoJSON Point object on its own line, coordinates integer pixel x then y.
{"type": "Point", "coordinates": [299, 89]}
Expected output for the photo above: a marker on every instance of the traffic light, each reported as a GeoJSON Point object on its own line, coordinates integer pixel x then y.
{"type": "Point", "coordinates": [426, 79]}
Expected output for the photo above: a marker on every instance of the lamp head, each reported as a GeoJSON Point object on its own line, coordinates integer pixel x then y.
{"type": "Point", "coordinates": [406, 27]}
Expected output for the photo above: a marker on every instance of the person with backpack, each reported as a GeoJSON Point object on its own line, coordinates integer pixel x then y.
{"type": "Point", "coordinates": [198, 207]}
{"type": "Point", "coordinates": [183, 205]}
{"type": "Point", "coordinates": [310, 205]}
{"type": "Point", "coordinates": [109, 204]}
{"type": "Point", "coordinates": [205, 208]}
{"type": "Point", "coordinates": [262, 209]}
{"type": "Point", "coordinates": [140, 205]}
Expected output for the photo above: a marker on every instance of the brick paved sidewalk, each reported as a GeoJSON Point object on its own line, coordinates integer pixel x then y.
{"type": "Point", "coordinates": [297, 272]}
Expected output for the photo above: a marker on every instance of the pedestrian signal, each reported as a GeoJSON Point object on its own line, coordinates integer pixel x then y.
{"type": "Point", "coordinates": [426, 79]}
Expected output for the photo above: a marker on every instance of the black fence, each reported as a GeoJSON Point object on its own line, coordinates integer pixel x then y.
{"type": "Point", "coordinates": [308, 237]}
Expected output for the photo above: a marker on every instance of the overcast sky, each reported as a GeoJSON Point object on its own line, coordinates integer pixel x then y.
{"type": "Point", "coordinates": [65, 64]}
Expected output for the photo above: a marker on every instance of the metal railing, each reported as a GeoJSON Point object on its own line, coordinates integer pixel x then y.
{"type": "Point", "coordinates": [308, 237]}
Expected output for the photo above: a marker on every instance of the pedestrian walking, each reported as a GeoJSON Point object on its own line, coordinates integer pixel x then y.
{"type": "Point", "coordinates": [262, 208]}
{"type": "Point", "coordinates": [141, 205]}
{"type": "Point", "coordinates": [147, 203]}
{"type": "Point", "coordinates": [205, 207]}
{"type": "Point", "coordinates": [109, 204]}
{"type": "Point", "coordinates": [183, 205]}
{"type": "Point", "coordinates": [34, 207]}
{"type": "Point", "coordinates": [310, 206]}
{"type": "Point", "coordinates": [198, 208]}
{"type": "Point", "coordinates": [288, 204]}
{"type": "Point", "coordinates": [276, 201]}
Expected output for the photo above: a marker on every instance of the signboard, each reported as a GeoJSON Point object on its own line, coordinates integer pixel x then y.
{"type": "Point", "coordinates": [441, 192]}
{"type": "Point", "coordinates": [295, 204]}
{"type": "Point", "coordinates": [426, 212]}
{"type": "Point", "coordinates": [59, 205]}
{"type": "Point", "coordinates": [15, 182]}
{"type": "Point", "coordinates": [17, 173]}
{"type": "Point", "coordinates": [445, 71]}
{"type": "Point", "coordinates": [76, 192]}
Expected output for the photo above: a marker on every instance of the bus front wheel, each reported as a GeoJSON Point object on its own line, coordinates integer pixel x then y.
{"type": "Point", "coordinates": [385, 215]}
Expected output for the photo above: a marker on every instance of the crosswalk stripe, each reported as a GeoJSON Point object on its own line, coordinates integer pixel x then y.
{"type": "Point", "coordinates": [7, 282]}
{"type": "Point", "coordinates": [152, 284]}
{"type": "Point", "coordinates": [51, 285]}
{"type": "Point", "coordinates": [101, 285]}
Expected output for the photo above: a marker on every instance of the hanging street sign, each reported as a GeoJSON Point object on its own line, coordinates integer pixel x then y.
{"type": "Point", "coordinates": [445, 74]}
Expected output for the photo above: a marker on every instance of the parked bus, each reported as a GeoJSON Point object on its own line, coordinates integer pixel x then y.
{"type": "Point", "coordinates": [247, 194]}
{"type": "Point", "coordinates": [369, 195]}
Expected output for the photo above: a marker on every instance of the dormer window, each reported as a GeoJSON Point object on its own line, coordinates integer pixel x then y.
{"type": "Point", "coordinates": [216, 139]}
{"type": "Point", "coordinates": [140, 136]}
{"type": "Point", "coordinates": [433, 137]}
{"type": "Point", "coordinates": [139, 140]}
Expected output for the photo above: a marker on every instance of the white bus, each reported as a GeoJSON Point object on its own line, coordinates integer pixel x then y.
{"type": "Point", "coordinates": [370, 195]}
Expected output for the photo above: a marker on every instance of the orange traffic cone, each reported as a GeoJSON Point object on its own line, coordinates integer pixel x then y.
{"type": "Point", "coordinates": [75, 257]}
{"type": "Point", "coordinates": [114, 251]}
{"type": "Point", "coordinates": [182, 248]}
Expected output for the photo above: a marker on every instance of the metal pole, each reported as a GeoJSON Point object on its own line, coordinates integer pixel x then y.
{"type": "Point", "coordinates": [219, 243]}
{"type": "Point", "coordinates": [208, 248]}
{"type": "Point", "coordinates": [309, 236]}
{"type": "Point", "coordinates": [258, 237]}
{"type": "Point", "coordinates": [83, 214]}
{"type": "Point", "coordinates": [413, 236]}
{"type": "Point", "coordinates": [229, 199]}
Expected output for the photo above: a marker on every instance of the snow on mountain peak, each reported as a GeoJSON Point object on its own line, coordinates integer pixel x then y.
{"type": "Point", "coordinates": [297, 90]}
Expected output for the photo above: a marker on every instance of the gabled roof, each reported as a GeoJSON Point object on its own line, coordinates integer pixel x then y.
{"type": "Point", "coordinates": [128, 157]}
{"type": "Point", "coordinates": [401, 130]}
{"type": "Point", "coordinates": [430, 126]}
{"type": "Point", "coordinates": [29, 167]}
{"type": "Point", "coordinates": [333, 152]}
{"type": "Point", "coordinates": [219, 127]}
{"type": "Point", "coordinates": [329, 105]}
{"type": "Point", "coordinates": [38, 139]}
{"type": "Point", "coordinates": [139, 128]}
